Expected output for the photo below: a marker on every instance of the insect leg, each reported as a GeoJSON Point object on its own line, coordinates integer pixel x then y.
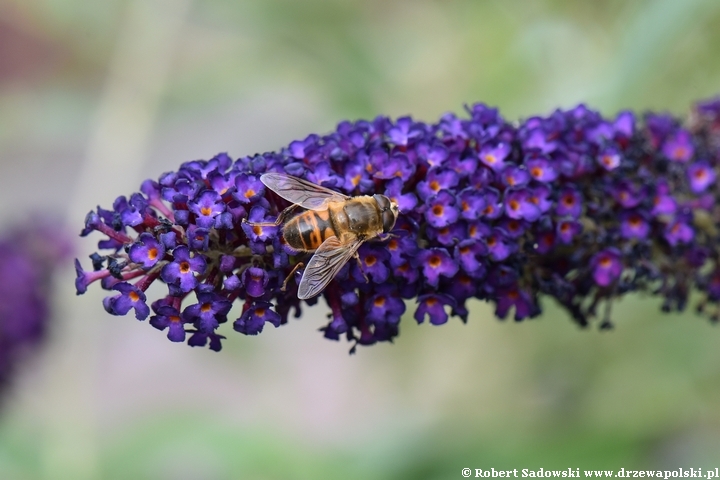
{"type": "Point", "coordinates": [386, 236]}
{"type": "Point", "coordinates": [290, 275]}
{"type": "Point", "coordinates": [357, 257]}
{"type": "Point", "coordinates": [280, 219]}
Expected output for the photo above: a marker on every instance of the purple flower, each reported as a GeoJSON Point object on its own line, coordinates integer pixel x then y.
{"type": "Point", "coordinates": [634, 225]}
{"type": "Point", "coordinates": [131, 297]}
{"type": "Point", "coordinates": [679, 147]}
{"type": "Point", "coordinates": [437, 180]}
{"type": "Point", "coordinates": [679, 232]}
{"type": "Point", "coordinates": [449, 235]}
{"type": "Point", "coordinates": [441, 210]}
{"type": "Point", "coordinates": [609, 159]}
{"type": "Point", "coordinates": [499, 245]}
{"type": "Point", "coordinates": [512, 227]}
{"type": "Point", "coordinates": [255, 280]}
{"type": "Point", "coordinates": [468, 254]}
{"type": "Point", "coordinates": [518, 204]}
{"type": "Point", "coordinates": [406, 202]}
{"type": "Point", "coordinates": [567, 230]}
{"type": "Point", "coordinates": [147, 251]}
{"type": "Point", "coordinates": [433, 306]}
{"type": "Point", "coordinates": [569, 203]}
{"type": "Point", "coordinates": [539, 196]}
{"type": "Point", "coordinates": [30, 253]}
{"type": "Point", "coordinates": [397, 166]}
{"type": "Point", "coordinates": [541, 170]}
{"type": "Point", "coordinates": [169, 317]}
{"type": "Point", "coordinates": [248, 188]}
{"type": "Point", "coordinates": [182, 271]}
{"type": "Point", "coordinates": [472, 203]}
{"type": "Point", "coordinates": [606, 266]}
{"type": "Point", "coordinates": [210, 311]}
{"type": "Point", "coordinates": [494, 156]}
{"type": "Point", "coordinates": [552, 206]}
{"type": "Point", "coordinates": [253, 319]}
{"type": "Point", "coordinates": [624, 125]}
{"type": "Point", "coordinates": [403, 132]}
{"type": "Point", "coordinates": [701, 175]}
{"type": "Point", "coordinates": [493, 206]}
{"type": "Point", "coordinates": [513, 176]}
{"type": "Point", "coordinates": [437, 262]}
{"type": "Point", "coordinates": [385, 307]}
{"type": "Point", "coordinates": [514, 297]}
{"type": "Point", "coordinates": [259, 233]}
{"type": "Point", "coordinates": [663, 203]}
{"type": "Point", "coordinates": [374, 261]}
{"type": "Point", "coordinates": [200, 339]}
{"type": "Point", "coordinates": [207, 206]}
{"type": "Point", "coordinates": [628, 194]}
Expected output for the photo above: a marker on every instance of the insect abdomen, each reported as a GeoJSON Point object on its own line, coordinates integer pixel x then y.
{"type": "Point", "coordinates": [309, 230]}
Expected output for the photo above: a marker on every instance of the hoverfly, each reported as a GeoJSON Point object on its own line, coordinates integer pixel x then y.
{"type": "Point", "coordinates": [334, 226]}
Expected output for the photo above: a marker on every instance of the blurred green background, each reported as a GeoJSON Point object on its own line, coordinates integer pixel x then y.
{"type": "Point", "coordinates": [97, 96]}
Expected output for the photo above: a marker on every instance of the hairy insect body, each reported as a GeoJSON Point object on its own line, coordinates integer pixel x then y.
{"type": "Point", "coordinates": [359, 216]}
{"type": "Point", "coordinates": [334, 226]}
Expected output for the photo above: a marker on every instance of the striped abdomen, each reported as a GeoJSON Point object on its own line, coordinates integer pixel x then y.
{"type": "Point", "coordinates": [309, 230]}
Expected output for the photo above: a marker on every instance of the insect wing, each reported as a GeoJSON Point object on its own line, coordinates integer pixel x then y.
{"type": "Point", "coordinates": [325, 264]}
{"type": "Point", "coordinates": [299, 191]}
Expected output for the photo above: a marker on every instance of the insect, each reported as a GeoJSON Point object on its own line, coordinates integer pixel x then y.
{"type": "Point", "coordinates": [334, 226]}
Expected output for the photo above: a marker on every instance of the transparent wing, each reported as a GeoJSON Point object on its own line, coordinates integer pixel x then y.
{"type": "Point", "coordinates": [325, 264]}
{"type": "Point", "coordinates": [299, 191]}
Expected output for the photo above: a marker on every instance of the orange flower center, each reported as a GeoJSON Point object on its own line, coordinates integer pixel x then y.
{"type": "Point", "coordinates": [134, 296]}
{"type": "Point", "coordinates": [184, 267]}
{"type": "Point", "coordinates": [379, 302]}
{"type": "Point", "coordinates": [370, 260]}
{"type": "Point", "coordinates": [435, 261]}
{"type": "Point", "coordinates": [438, 210]}
{"type": "Point", "coordinates": [152, 253]}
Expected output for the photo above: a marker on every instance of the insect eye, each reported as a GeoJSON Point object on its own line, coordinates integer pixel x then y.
{"type": "Point", "coordinates": [388, 221]}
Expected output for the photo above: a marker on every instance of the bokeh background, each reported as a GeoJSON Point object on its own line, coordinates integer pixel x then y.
{"type": "Point", "coordinates": [97, 96]}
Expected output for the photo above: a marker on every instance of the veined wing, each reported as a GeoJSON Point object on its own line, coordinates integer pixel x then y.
{"type": "Point", "coordinates": [299, 191]}
{"type": "Point", "coordinates": [325, 264]}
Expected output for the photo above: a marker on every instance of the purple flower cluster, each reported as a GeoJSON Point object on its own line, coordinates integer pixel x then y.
{"type": "Point", "coordinates": [28, 257]}
{"type": "Point", "coordinates": [573, 206]}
